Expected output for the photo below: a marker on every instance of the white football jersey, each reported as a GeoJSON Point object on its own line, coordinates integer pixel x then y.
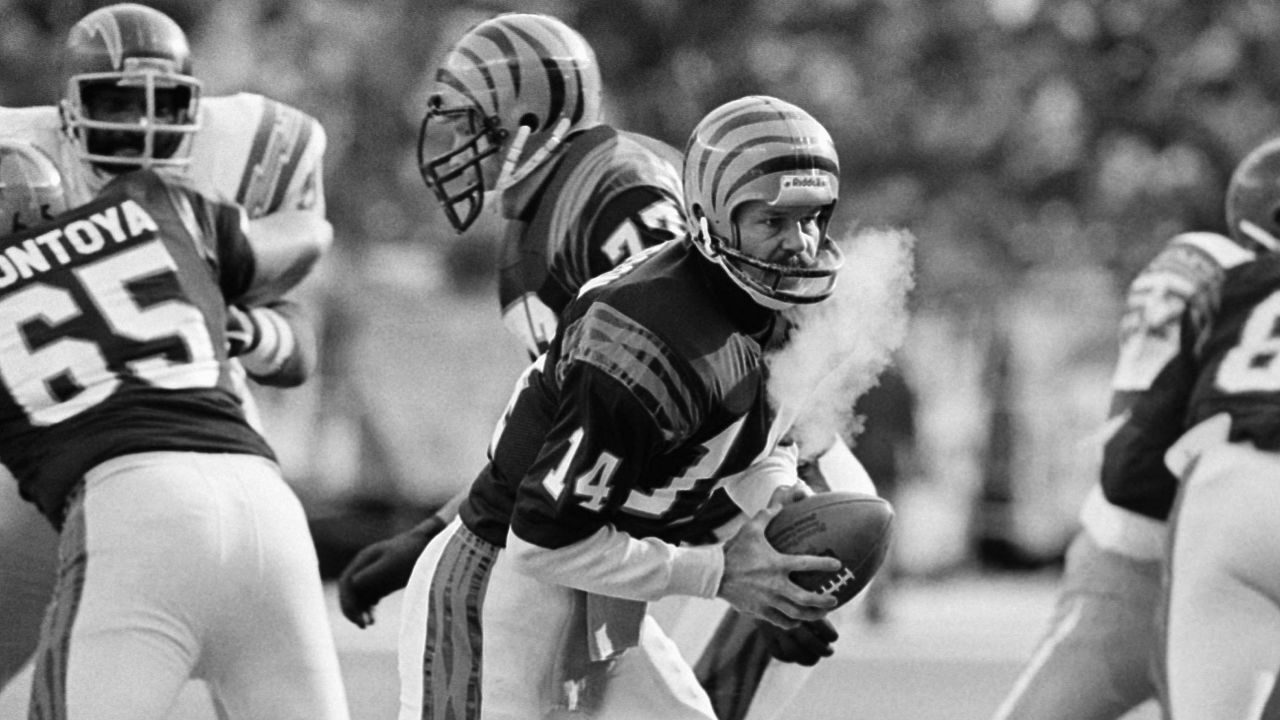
{"type": "Point", "coordinates": [260, 153]}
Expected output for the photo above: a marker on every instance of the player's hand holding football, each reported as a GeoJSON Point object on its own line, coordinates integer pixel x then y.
{"type": "Point", "coordinates": [756, 577]}
{"type": "Point", "coordinates": [381, 569]}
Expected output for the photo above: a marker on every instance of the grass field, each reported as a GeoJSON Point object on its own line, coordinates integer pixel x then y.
{"type": "Point", "coordinates": [949, 650]}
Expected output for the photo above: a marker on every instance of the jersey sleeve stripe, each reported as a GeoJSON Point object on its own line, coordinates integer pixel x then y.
{"type": "Point", "coordinates": [260, 139]}
{"type": "Point", "coordinates": [299, 150]}
{"type": "Point", "coordinates": [620, 347]}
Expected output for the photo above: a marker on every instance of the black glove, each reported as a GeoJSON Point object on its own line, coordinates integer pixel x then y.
{"type": "Point", "coordinates": [381, 569]}
{"type": "Point", "coordinates": [242, 331]}
{"type": "Point", "coordinates": [805, 644]}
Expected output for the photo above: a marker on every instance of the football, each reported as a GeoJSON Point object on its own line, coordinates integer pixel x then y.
{"type": "Point", "coordinates": [855, 528]}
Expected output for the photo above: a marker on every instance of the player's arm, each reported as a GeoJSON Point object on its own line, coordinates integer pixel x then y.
{"type": "Point", "coordinates": [286, 245]}
{"type": "Point", "coordinates": [385, 566]}
{"type": "Point", "coordinates": [282, 192]}
{"type": "Point", "coordinates": [594, 456]}
{"type": "Point", "coordinates": [275, 343]}
{"type": "Point", "coordinates": [1155, 374]}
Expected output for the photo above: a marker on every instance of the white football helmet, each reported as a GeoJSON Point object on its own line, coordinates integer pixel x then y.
{"type": "Point", "coordinates": [762, 148]}
{"type": "Point", "coordinates": [141, 55]}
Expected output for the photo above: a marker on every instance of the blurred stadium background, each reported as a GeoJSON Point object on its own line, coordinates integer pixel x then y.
{"type": "Point", "coordinates": [1041, 150]}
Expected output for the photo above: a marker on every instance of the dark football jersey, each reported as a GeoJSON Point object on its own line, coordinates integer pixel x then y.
{"type": "Point", "coordinates": [1236, 347]}
{"type": "Point", "coordinates": [1167, 304]}
{"type": "Point", "coordinates": [112, 335]}
{"type": "Point", "coordinates": [612, 194]}
{"type": "Point", "coordinates": [651, 394]}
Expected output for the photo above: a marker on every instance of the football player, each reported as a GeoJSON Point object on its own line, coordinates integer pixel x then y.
{"type": "Point", "coordinates": [515, 126]}
{"type": "Point", "coordinates": [650, 396]}
{"type": "Point", "coordinates": [1222, 591]}
{"type": "Point", "coordinates": [131, 102]}
{"type": "Point", "coordinates": [182, 552]}
{"type": "Point", "coordinates": [1101, 654]}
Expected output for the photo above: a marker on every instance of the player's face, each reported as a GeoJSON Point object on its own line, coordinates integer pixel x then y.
{"type": "Point", "coordinates": [454, 130]}
{"type": "Point", "coordinates": [108, 102]}
{"type": "Point", "coordinates": [784, 235]}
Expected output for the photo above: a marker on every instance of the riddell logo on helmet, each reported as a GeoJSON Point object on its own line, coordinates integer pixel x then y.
{"type": "Point", "coordinates": [806, 182]}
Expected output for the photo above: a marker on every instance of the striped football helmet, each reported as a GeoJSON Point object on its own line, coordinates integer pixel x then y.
{"type": "Point", "coordinates": [1253, 198]}
{"type": "Point", "coordinates": [761, 148]}
{"type": "Point", "coordinates": [515, 86]}
{"type": "Point", "coordinates": [30, 186]}
{"type": "Point", "coordinates": [129, 59]}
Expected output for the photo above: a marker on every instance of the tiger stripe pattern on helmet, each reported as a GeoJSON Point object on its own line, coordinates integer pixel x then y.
{"type": "Point", "coordinates": [749, 141]}
{"type": "Point", "coordinates": [522, 83]}
{"type": "Point", "coordinates": [762, 149]}
{"type": "Point", "coordinates": [492, 68]}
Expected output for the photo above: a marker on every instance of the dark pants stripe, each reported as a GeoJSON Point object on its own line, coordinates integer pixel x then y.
{"type": "Point", "coordinates": [49, 686]}
{"type": "Point", "coordinates": [732, 665]}
{"type": "Point", "coordinates": [452, 657]}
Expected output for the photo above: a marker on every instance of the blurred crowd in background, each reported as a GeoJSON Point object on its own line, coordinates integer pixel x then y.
{"type": "Point", "coordinates": [1040, 151]}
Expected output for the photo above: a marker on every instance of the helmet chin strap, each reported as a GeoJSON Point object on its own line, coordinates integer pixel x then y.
{"type": "Point", "coordinates": [1260, 236]}
{"type": "Point", "coordinates": [510, 174]}
{"type": "Point", "coordinates": [720, 259]}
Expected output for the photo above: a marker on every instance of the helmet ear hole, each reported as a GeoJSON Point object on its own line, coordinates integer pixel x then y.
{"type": "Point", "coordinates": [529, 120]}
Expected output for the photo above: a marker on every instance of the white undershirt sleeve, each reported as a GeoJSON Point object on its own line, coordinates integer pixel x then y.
{"type": "Point", "coordinates": [752, 488]}
{"type": "Point", "coordinates": [616, 564]}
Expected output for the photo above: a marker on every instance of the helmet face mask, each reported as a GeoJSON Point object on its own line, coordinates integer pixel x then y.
{"type": "Point", "coordinates": [1253, 199]}
{"type": "Point", "coordinates": [788, 284]}
{"type": "Point", "coordinates": [512, 88]}
{"type": "Point", "coordinates": [457, 176]}
{"type": "Point", "coordinates": [761, 149]}
{"type": "Point", "coordinates": [31, 189]}
{"type": "Point", "coordinates": [130, 101]}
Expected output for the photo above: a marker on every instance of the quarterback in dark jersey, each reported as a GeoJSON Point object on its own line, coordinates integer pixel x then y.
{"type": "Point", "coordinates": [650, 397]}
{"type": "Point", "coordinates": [120, 420]}
{"type": "Point", "coordinates": [515, 125]}
{"type": "Point", "coordinates": [1101, 654]}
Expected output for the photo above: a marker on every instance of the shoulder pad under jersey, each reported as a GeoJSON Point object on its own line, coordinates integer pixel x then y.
{"type": "Point", "coordinates": [1184, 273]}
{"type": "Point", "coordinates": [42, 126]}
{"type": "Point", "coordinates": [1225, 251]}
{"type": "Point", "coordinates": [263, 154]}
